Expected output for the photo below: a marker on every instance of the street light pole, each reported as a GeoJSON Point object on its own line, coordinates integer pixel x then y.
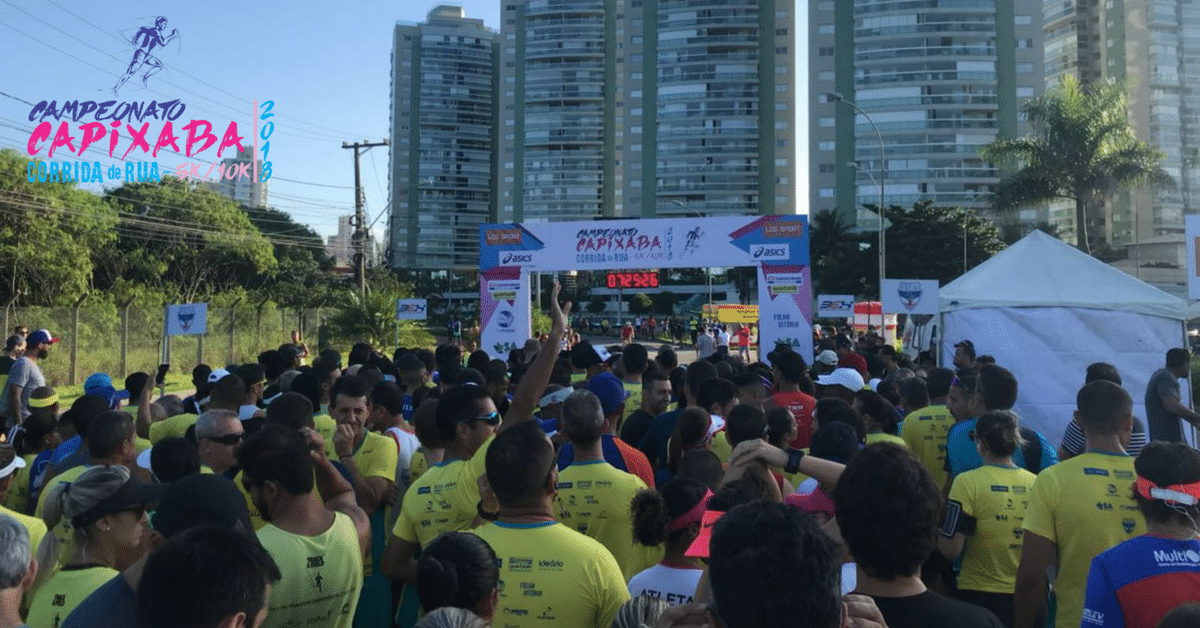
{"type": "Point", "coordinates": [882, 182]}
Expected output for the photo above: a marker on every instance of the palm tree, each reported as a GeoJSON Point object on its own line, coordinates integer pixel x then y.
{"type": "Point", "coordinates": [1082, 149]}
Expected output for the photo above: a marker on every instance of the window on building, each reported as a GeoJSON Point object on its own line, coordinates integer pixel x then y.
{"type": "Point", "coordinates": [781, 32]}
{"type": "Point", "coordinates": [825, 51]}
{"type": "Point", "coordinates": [826, 145]}
{"type": "Point", "coordinates": [1022, 20]}
{"type": "Point", "coordinates": [781, 50]}
{"type": "Point", "coordinates": [825, 122]}
{"type": "Point", "coordinates": [825, 29]}
{"type": "Point", "coordinates": [825, 193]}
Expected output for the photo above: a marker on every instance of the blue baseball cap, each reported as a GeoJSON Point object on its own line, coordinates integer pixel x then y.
{"type": "Point", "coordinates": [100, 385]}
{"type": "Point", "coordinates": [609, 390]}
{"type": "Point", "coordinates": [40, 336]}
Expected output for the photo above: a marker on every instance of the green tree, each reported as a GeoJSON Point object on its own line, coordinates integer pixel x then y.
{"type": "Point", "coordinates": [640, 304]}
{"type": "Point", "coordinates": [664, 302]}
{"type": "Point", "coordinates": [303, 275]}
{"type": "Point", "coordinates": [48, 232]}
{"type": "Point", "coordinates": [927, 242]}
{"type": "Point", "coordinates": [372, 320]}
{"type": "Point", "coordinates": [842, 260]}
{"type": "Point", "coordinates": [597, 304]}
{"type": "Point", "coordinates": [1082, 149]}
{"type": "Point", "coordinates": [184, 239]}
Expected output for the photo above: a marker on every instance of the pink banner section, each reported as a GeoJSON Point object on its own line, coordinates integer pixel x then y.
{"type": "Point", "coordinates": [785, 308]}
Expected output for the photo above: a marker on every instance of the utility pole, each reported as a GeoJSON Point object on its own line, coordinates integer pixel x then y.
{"type": "Point", "coordinates": [360, 221]}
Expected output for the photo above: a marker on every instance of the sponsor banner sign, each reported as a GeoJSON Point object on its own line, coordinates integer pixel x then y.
{"type": "Point", "coordinates": [785, 308]}
{"type": "Point", "coordinates": [1192, 228]}
{"type": "Point", "coordinates": [645, 243]}
{"type": "Point", "coordinates": [731, 313]}
{"type": "Point", "coordinates": [910, 296]}
{"type": "Point", "coordinates": [411, 309]}
{"type": "Point", "coordinates": [835, 305]}
{"type": "Point", "coordinates": [504, 310]}
{"type": "Point", "coordinates": [187, 319]}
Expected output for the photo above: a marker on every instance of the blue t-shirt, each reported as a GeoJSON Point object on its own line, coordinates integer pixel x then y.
{"type": "Point", "coordinates": [113, 605]}
{"type": "Point", "coordinates": [654, 443]}
{"type": "Point", "coordinates": [961, 455]}
{"type": "Point", "coordinates": [66, 448]}
{"type": "Point", "coordinates": [1136, 583]}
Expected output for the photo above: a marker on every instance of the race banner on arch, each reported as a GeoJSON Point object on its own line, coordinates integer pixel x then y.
{"type": "Point", "coordinates": [508, 252]}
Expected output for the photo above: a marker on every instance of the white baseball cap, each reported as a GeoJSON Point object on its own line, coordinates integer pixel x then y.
{"type": "Point", "coordinates": [827, 357]}
{"type": "Point", "coordinates": [845, 377]}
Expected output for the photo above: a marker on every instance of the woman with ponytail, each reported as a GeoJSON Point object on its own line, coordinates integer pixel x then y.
{"type": "Point", "coordinates": [458, 570]}
{"type": "Point", "coordinates": [671, 516]}
{"type": "Point", "coordinates": [984, 514]}
{"type": "Point", "coordinates": [103, 511]}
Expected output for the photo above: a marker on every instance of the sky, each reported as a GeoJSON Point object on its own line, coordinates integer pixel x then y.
{"type": "Point", "coordinates": [326, 67]}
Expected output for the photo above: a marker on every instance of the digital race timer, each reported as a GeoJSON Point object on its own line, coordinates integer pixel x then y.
{"type": "Point", "coordinates": [648, 279]}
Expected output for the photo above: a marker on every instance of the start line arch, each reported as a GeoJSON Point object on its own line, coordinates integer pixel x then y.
{"type": "Point", "coordinates": [777, 245]}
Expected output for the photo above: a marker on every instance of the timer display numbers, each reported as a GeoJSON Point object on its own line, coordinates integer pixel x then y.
{"type": "Point", "coordinates": [643, 279]}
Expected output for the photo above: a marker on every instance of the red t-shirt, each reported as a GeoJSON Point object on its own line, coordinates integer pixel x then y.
{"type": "Point", "coordinates": [855, 361]}
{"type": "Point", "coordinates": [801, 406]}
{"type": "Point", "coordinates": [743, 335]}
{"type": "Point", "coordinates": [636, 462]}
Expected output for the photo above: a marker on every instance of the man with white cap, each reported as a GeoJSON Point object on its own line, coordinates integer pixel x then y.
{"type": "Point", "coordinates": [9, 463]}
{"type": "Point", "coordinates": [826, 362]}
{"type": "Point", "coordinates": [178, 425]}
{"type": "Point", "coordinates": [24, 376]}
{"type": "Point", "coordinates": [841, 384]}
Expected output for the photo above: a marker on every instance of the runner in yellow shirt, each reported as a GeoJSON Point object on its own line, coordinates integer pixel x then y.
{"type": "Point", "coordinates": [594, 498]}
{"type": "Point", "coordinates": [446, 496]}
{"type": "Point", "coordinates": [929, 420]}
{"type": "Point", "coordinates": [985, 514]}
{"type": "Point", "coordinates": [10, 463]}
{"type": "Point", "coordinates": [1079, 508]}
{"type": "Point", "coordinates": [316, 532]}
{"type": "Point", "coordinates": [370, 461]}
{"type": "Point", "coordinates": [106, 512]}
{"type": "Point", "coordinates": [552, 575]}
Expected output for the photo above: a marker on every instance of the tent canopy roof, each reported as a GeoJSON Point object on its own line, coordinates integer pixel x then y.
{"type": "Point", "coordinates": [1042, 271]}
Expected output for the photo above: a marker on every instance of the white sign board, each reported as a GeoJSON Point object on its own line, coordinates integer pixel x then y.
{"type": "Point", "coordinates": [910, 296]}
{"type": "Point", "coordinates": [187, 319]}
{"type": "Point", "coordinates": [835, 305]}
{"type": "Point", "coordinates": [1192, 228]}
{"type": "Point", "coordinates": [411, 309]}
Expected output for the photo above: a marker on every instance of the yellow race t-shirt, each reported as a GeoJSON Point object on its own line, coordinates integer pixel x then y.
{"type": "Point", "coordinates": [1085, 505]}
{"type": "Point", "coordinates": [634, 401]}
{"type": "Point", "coordinates": [322, 575]}
{"type": "Point", "coordinates": [594, 499]}
{"type": "Point", "coordinates": [925, 433]}
{"type": "Point", "coordinates": [18, 489]}
{"type": "Point", "coordinates": [376, 458]}
{"type": "Point", "coordinates": [443, 499]}
{"type": "Point", "coordinates": [35, 526]}
{"type": "Point", "coordinates": [880, 437]}
{"type": "Point", "coordinates": [997, 497]}
{"type": "Point", "coordinates": [70, 475]}
{"type": "Point", "coordinates": [175, 426]}
{"type": "Point", "coordinates": [256, 519]}
{"type": "Point", "coordinates": [140, 444]}
{"type": "Point", "coordinates": [55, 599]}
{"type": "Point", "coordinates": [326, 427]}
{"type": "Point", "coordinates": [418, 465]}
{"type": "Point", "coordinates": [553, 577]}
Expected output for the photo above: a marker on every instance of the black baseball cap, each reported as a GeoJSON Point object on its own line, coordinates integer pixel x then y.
{"type": "Point", "coordinates": [199, 500]}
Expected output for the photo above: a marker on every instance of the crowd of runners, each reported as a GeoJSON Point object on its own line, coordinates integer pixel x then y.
{"type": "Point", "coordinates": [580, 485]}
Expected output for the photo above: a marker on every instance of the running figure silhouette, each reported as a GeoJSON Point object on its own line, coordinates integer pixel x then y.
{"type": "Point", "coordinates": [146, 40]}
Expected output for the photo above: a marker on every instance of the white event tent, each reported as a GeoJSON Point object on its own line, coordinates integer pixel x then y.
{"type": "Point", "coordinates": [1046, 311]}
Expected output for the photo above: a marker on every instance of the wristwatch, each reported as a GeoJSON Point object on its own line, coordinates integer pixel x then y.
{"type": "Point", "coordinates": [793, 461]}
{"type": "Point", "coordinates": [485, 515]}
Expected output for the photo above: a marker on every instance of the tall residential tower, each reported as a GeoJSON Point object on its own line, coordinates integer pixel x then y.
{"type": "Point", "coordinates": [643, 108]}
{"type": "Point", "coordinates": [443, 124]}
{"type": "Point", "coordinates": [940, 78]}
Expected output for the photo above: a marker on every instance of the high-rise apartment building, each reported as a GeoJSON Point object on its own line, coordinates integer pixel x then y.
{"type": "Point", "coordinates": [940, 79]}
{"type": "Point", "coordinates": [443, 121]}
{"type": "Point", "coordinates": [242, 190]}
{"type": "Point", "coordinates": [1153, 47]}
{"type": "Point", "coordinates": [642, 108]}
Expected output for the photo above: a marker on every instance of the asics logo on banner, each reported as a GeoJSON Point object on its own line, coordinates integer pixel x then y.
{"type": "Point", "coordinates": [517, 258]}
{"type": "Point", "coordinates": [770, 251]}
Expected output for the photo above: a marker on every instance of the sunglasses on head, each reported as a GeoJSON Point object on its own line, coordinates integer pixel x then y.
{"type": "Point", "coordinates": [492, 419]}
{"type": "Point", "coordinates": [228, 439]}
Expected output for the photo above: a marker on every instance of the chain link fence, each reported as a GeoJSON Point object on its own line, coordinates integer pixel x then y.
{"type": "Point", "coordinates": [122, 340]}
